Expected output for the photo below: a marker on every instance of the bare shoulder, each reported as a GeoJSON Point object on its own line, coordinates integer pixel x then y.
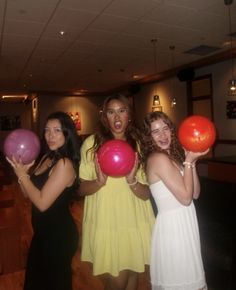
{"type": "Point", "coordinates": [154, 161]}
{"type": "Point", "coordinates": [157, 157]}
{"type": "Point", "coordinates": [158, 163]}
{"type": "Point", "coordinates": [153, 166]}
{"type": "Point", "coordinates": [64, 163]}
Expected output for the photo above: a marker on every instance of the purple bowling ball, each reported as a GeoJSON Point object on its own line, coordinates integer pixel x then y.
{"type": "Point", "coordinates": [23, 144]}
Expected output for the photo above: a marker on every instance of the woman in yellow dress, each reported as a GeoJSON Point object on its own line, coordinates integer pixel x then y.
{"type": "Point", "coordinates": [118, 215]}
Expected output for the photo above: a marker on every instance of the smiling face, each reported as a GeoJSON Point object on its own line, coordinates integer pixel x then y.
{"type": "Point", "coordinates": [117, 115]}
{"type": "Point", "coordinates": [54, 135]}
{"type": "Point", "coordinates": [161, 134]}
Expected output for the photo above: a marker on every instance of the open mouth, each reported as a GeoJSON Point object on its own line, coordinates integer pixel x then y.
{"type": "Point", "coordinates": [117, 125]}
{"type": "Point", "coordinates": [164, 142]}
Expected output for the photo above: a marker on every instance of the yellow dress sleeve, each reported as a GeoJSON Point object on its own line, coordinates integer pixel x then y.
{"type": "Point", "coordinates": [87, 166]}
{"type": "Point", "coordinates": [141, 176]}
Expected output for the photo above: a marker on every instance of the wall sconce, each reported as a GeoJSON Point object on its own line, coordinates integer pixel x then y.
{"type": "Point", "coordinates": [156, 101]}
{"type": "Point", "coordinates": [173, 102]}
{"type": "Point", "coordinates": [232, 85]}
{"type": "Point", "coordinates": [156, 104]}
{"type": "Point", "coordinates": [35, 109]}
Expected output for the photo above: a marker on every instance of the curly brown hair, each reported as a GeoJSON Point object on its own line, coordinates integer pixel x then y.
{"type": "Point", "coordinates": [148, 145]}
{"type": "Point", "coordinates": [103, 132]}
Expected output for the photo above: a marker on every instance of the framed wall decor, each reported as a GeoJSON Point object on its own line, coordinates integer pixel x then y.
{"type": "Point", "coordinates": [76, 117]}
{"type": "Point", "coordinates": [157, 108]}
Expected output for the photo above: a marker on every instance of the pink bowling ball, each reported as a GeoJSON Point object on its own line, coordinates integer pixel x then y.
{"type": "Point", "coordinates": [116, 158]}
{"type": "Point", "coordinates": [23, 144]}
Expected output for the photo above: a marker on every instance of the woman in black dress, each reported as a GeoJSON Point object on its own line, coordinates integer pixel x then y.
{"type": "Point", "coordinates": [51, 188]}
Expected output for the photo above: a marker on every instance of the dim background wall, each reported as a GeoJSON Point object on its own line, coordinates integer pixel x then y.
{"type": "Point", "coordinates": [144, 99]}
{"type": "Point", "coordinates": [12, 109]}
{"type": "Point", "coordinates": [226, 128]}
{"type": "Point", "coordinates": [88, 107]}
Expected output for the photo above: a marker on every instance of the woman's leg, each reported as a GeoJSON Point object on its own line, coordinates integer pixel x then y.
{"type": "Point", "coordinates": [127, 280]}
{"type": "Point", "coordinates": [132, 281]}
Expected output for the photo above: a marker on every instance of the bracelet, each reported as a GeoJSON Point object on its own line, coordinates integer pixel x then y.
{"type": "Point", "coordinates": [22, 176]}
{"type": "Point", "coordinates": [188, 164]}
{"type": "Point", "coordinates": [133, 183]}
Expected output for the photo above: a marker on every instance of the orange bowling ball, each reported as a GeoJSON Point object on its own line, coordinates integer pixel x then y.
{"type": "Point", "coordinates": [197, 133]}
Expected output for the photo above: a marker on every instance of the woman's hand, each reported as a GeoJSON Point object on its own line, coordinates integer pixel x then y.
{"type": "Point", "coordinates": [19, 168]}
{"type": "Point", "coordinates": [192, 157]}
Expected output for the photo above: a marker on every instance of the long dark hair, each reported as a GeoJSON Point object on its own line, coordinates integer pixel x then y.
{"type": "Point", "coordinates": [148, 145]}
{"type": "Point", "coordinates": [71, 148]}
{"type": "Point", "coordinates": [103, 132]}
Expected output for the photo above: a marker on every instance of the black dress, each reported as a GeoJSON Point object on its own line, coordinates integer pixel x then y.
{"type": "Point", "coordinates": [54, 243]}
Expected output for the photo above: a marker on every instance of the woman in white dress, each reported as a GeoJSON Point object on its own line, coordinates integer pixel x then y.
{"type": "Point", "coordinates": [176, 262]}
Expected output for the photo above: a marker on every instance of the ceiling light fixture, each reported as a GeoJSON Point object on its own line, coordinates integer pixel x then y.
{"type": "Point", "coordinates": [232, 81]}
{"type": "Point", "coordinates": [173, 99]}
{"type": "Point", "coordinates": [156, 99]}
{"type": "Point", "coordinates": [154, 43]}
{"type": "Point", "coordinates": [62, 32]}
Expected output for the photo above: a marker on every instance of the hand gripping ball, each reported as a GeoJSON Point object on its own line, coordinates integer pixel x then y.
{"type": "Point", "coordinates": [23, 144]}
{"type": "Point", "coordinates": [116, 158]}
{"type": "Point", "coordinates": [197, 133]}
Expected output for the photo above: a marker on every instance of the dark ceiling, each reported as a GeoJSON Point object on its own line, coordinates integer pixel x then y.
{"type": "Point", "coordinates": [96, 46]}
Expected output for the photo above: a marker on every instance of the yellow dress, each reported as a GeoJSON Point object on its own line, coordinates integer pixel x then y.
{"type": "Point", "coordinates": [117, 225]}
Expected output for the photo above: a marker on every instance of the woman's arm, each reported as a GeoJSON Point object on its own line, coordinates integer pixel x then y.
{"type": "Point", "coordinates": [196, 183]}
{"type": "Point", "coordinates": [194, 156]}
{"type": "Point", "coordinates": [88, 187]}
{"type": "Point", "coordinates": [23, 190]}
{"type": "Point", "coordinates": [184, 187]}
{"type": "Point", "coordinates": [139, 189]}
{"type": "Point", "coordinates": [61, 176]}
{"type": "Point", "coordinates": [161, 167]}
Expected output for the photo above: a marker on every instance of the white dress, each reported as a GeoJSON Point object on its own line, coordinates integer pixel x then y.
{"type": "Point", "coordinates": [176, 261]}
